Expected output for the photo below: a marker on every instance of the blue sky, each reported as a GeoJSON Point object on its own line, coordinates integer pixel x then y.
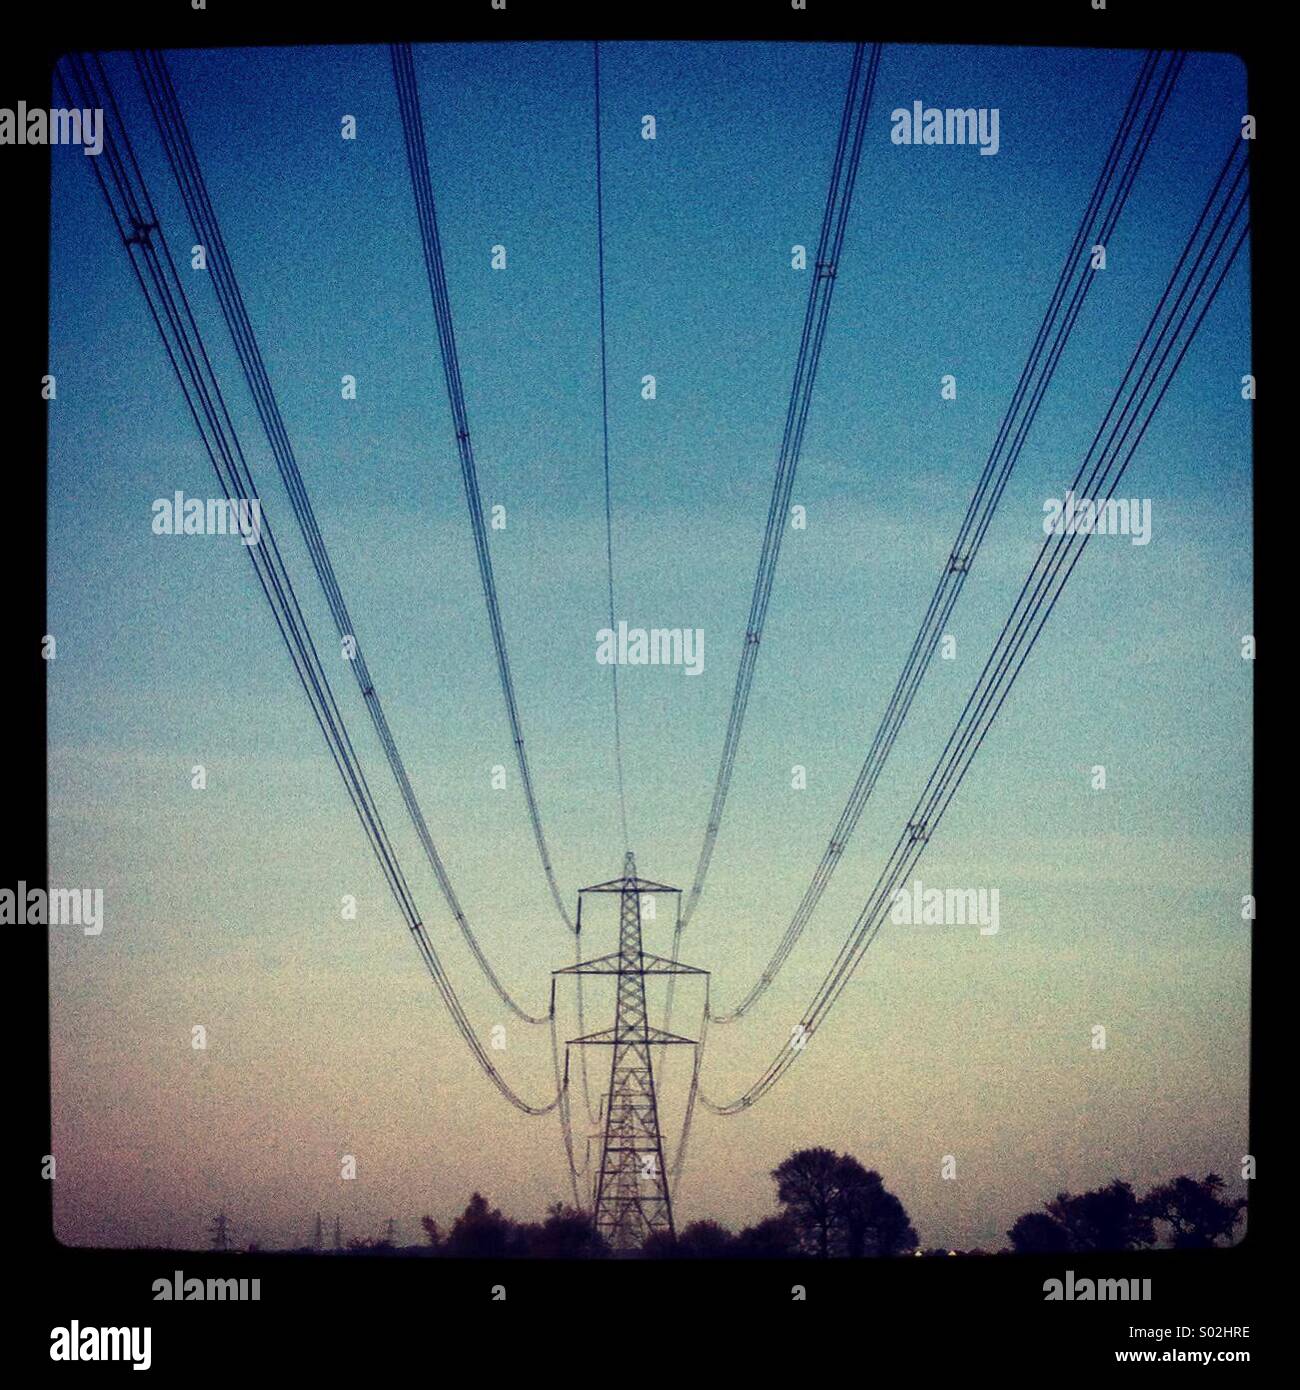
{"type": "Point", "coordinates": [222, 906]}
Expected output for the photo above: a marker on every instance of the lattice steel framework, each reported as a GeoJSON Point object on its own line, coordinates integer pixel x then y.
{"type": "Point", "coordinates": [632, 1199]}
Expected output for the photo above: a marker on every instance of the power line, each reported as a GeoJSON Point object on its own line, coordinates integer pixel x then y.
{"type": "Point", "coordinates": [679, 1159]}
{"type": "Point", "coordinates": [848, 155]}
{"type": "Point", "coordinates": [137, 224]}
{"type": "Point", "coordinates": [170, 120]}
{"type": "Point", "coordinates": [1046, 580]}
{"type": "Point", "coordinates": [1146, 105]}
{"type": "Point", "coordinates": [418, 161]}
{"type": "Point", "coordinates": [604, 418]}
{"type": "Point", "coordinates": [609, 558]}
{"type": "Point", "coordinates": [562, 1090]}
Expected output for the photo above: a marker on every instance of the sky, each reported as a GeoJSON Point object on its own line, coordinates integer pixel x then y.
{"type": "Point", "coordinates": [325, 1037]}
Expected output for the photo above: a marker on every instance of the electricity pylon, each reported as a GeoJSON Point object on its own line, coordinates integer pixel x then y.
{"type": "Point", "coordinates": [632, 1194]}
{"type": "Point", "coordinates": [220, 1231]}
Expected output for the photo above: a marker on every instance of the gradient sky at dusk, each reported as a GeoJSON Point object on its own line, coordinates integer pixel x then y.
{"type": "Point", "coordinates": [326, 1037]}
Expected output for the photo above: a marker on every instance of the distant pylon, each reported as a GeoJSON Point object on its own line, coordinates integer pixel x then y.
{"type": "Point", "coordinates": [338, 1235]}
{"type": "Point", "coordinates": [318, 1236]}
{"type": "Point", "coordinates": [220, 1231]}
{"type": "Point", "coordinates": [633, 1199]}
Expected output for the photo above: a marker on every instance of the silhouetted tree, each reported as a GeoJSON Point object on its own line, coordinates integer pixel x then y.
{"type": "Point", "coordinates": [431, 1231]}
{"type": "Point", "coordinates": [1107, 1218]}
{"type": "Point", "coordinates": [1194, 1211]}
{"type": "Point", "coordinates": [521, 1237]}
{"type": "Point", "coordinates": [1036, 1233]}
{"type": "Point", "coordinates": [659, 1245]}
{"type": "Point", "coordinates": [874, 1221]}
{"type": "Point", "coordinates": [705, 1240]}
{"type": "Point", "coordinates": [566, 1234]}
{"type": "Point", "coordinates": [773, 1238]}
{"type": "Point", "coordinates": [837, 1207]}
{"type": "Point", "coordinates": [480, 1232]}
{"type": "Point", "coordinates": [701, 1240]}
{"type": "Point", "coordinates": [806, 1188]}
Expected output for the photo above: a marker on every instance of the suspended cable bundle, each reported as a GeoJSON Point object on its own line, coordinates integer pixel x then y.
{"type": "Point", "coordinates": [844, 172]}
{"type": "Point", "coordinates": [592, 1115]}
{"type": "Point", "coordinates": [408, 97]}
{"type": "Point", "coordinates": [839, 196]}
{"type": "Point", "coordinates": [562, 1092]}
{"type": "Point", "coordinates": [609, 554]}
{"type": "Point", "coordinates": [1146, 104]}
{"type": "Point", "coordinates": [1193, 285]}
{"type": "Point", "coordinates": [604, 419]}
{"type": "Point", "coordinates": [679, 1160]}
{"type": "Point", "coordinates": [137, 223]}
{"type": "Point", "coordinates": [170, 121]}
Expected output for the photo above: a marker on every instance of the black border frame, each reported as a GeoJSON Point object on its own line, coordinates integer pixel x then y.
{"type": "Point", "coordinates": [980, 1308]}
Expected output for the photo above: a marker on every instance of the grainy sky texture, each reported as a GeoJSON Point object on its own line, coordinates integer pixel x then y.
{"type": "Point", "coordinates": [325, 1037]}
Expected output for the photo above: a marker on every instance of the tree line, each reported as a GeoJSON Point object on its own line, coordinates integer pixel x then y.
{"type": "Point", "coordinates": [830, 1206]}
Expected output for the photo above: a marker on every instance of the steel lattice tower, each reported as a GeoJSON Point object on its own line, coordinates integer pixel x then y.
{"type": "Point", "coordinates": [633, 1199]}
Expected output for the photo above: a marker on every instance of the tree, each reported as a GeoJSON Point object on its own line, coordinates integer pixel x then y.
{"type": "Point", "coordinates": [705, 1240]}
{"type": "Point", "coordinates": [701, 1240]}
{"type": "Point", "coordinates": [806, 1188]}
{"type": "Point", "coordinates": [521, 1238]}
{"type": "Point", "coordinates": [1036, 1233]}
{"type": "Point", "coordinates": [773, 1238]}
{"type": "Point", "coordinates": [837, 1207]}
{"type": "Point", "coordinates": [659, 1245]}
{"type": "Point", "coordinates": [1107, 1218]}
{"type": "Point", "coordinates": [1195, 1213]}
{"type": "Point", "coordinates": [431, 1231]}
{"type": "Point", "coordinates": [566, 1234]}
{"type": "Point", "coordinates": [479, 1232]}
{"type": "Point", "coordinates": [874, 1221]}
